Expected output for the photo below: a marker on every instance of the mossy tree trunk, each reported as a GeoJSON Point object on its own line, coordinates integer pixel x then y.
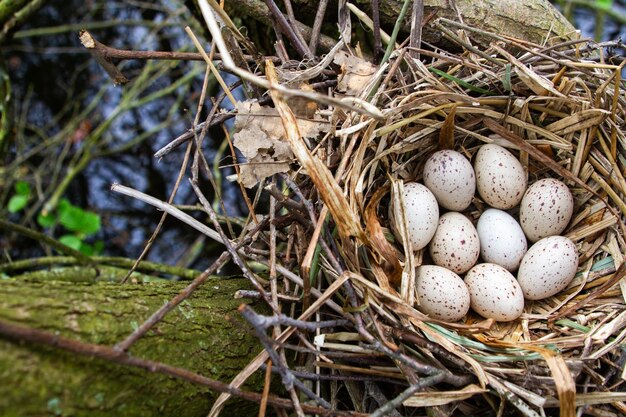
{"type": "Point", "coordinates": [534, 20]}
{"type": "Point", "coordinates": [37, 380]}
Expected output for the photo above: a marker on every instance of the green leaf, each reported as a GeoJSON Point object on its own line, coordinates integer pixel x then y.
{"type": "Point", "coordinates": [98, 247]}
{"type": "Point", "coordinates": [90, 223]}
{"type": "Point", "coordinates": [17, 202]}
{"type": "Point", "coordinates": [72, 241]}
{"type": "Point", "coordinates": [86, 249]}
{"type": "Point", "coordinates": [604, 4]}
{"type": "Point", "coordinates": [460, 82]}
{"type": "Point", "coordinates": [78, 220]}
{"type": "Point", "coordinates": [22, 188]}
{"type": "Point", "coordinates": [46, 221]}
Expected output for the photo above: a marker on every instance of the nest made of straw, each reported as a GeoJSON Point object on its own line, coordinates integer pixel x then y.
{"type": "Point", "coordinates": [560, 110]}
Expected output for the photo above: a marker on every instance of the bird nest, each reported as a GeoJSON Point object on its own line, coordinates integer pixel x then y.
{"type": "Point", "coordinates": [333, 147]}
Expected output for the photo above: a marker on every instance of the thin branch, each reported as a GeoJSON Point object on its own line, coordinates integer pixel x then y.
{"type": "Point", "coordinates": [416, 27]}
{"type": "Point", "coordinates": [289, 379]}
{"type": "Point", "coordinates": [158, 315]}
{"type": "Point", "coordinates": [265, 322]}
{"type": "Point", "coordinates": [317, 25]}
{"type": "Point", "coordinates": [397, 402]}
{"type": "Point", "coordinates": [53, 243]}
{"type": "Point", "coordinates": [229, 246]}
{"type": "Point", "coordinates": [288, 30]}
{"type": "Point", "coordinates": [30, 335]}
{"type": "Point", "coordinates": [378, 45]}
{"type": "Point", "coordinates": [110, 53]}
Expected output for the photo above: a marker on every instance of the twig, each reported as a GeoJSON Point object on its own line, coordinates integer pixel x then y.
{"type": "Point", "coordinates": [378, 45]}
{"type": "Point", "coordinates": [161, 205]}
{"type": "Point", "coordinates": [105, 55]}
{"type": "Point", "coordinates": [30, 335]}
{"type": "Point", "coordinates": [356, 378]}
{"type": "Point", "coordinates": [397, 402]}
{"type": "Point", "coordinates": [288, 30]}
{"type": "Point", "coordinates": [158, 315]}
{"type": "Point", "coordinates": [229, 246]}
{"type": "Point", "coordinates": [266, 322]}
{"type": "Point", "coordinates": [416, 27]}
{"type": "Point", "coordinates": [53, 243]}
{"type": "Point", "coordinates": [291, 17]}
{"type": "Point", "coordinates": [309, 206]}
{"type": "Point", "coordinates": [256, 296]}
{"type": "Point", "coordinates": [145, 266]}
{"type": "Point", "coordinates": [258, 323]}
{"type": "Point", "coordinates": [317, 25]}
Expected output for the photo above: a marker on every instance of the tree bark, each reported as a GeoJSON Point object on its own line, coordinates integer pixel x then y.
{"type": "Point", "coordinates": [525, 20]}
{"type": "Point", "coordinates": [37, 380]}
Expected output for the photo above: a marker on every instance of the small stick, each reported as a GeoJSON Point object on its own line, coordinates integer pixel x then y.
{"type": "Point", "coordinates": [109, 53]}
{"type": "Point", "coordinates": [158, 315]}
{"type": "Point", "coordinates": [289, 380]}
{"type": "Point", "coordinates": [397, 402]}
{"type": "Point", "coordinates": [378, 44]}
{"type": "Point", "coordinates": [41, 237]}
{"type": "Point", "coordinates": [317, 25]}
{"type": "Point", "coordinates": [30, 335]}
{"type": "Point", "coordinates": [416, 27]}
{"type": "Point", "coordinates": [229, 246]}
{"type": "Point", "coordinates": [288, 31]}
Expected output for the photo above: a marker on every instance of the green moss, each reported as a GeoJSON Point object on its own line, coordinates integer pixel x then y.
{"type": "Point", "coordinates": [36, 380]}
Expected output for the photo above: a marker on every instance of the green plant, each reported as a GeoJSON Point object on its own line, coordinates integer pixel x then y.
{"type": "Point", "coordinates": [20, 198]}
{"type": "Point", "coordinates": [79, 222]}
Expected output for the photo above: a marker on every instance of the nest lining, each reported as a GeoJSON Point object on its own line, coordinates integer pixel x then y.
{"type": "Point", "coordinates": [562, 114]}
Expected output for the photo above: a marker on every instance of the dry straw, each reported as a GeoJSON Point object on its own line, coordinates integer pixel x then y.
{"type": "Point", "coordinates": [559, 109]}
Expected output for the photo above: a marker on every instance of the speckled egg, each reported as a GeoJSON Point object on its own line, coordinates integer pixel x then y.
{"type": "Point", "coordinates": [422, 215]}
{"type": "Point", "coordinates": [546, 209]}
{"type": "Point", "coordinates": [500, 177]}
{"type": "Point", "coordinates": [455, 245]}
{"type": "Point", "coordinates": [548, 267]}
{"type": "Point", "coordinates": [502, 240]}
{"type": "Point", "coordinates": [441, 293]}
{"type": "Point", "coordinates": [494, 292]}
{"type": "Point", "coordinates": [450, 177]}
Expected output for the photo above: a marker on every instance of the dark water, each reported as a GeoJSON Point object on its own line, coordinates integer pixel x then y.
{"type": "Point", "coordinates": [50, 71]}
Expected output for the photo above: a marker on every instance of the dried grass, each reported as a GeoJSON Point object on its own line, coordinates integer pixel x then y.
{"type": "Point", "coordinates": [562, 113]}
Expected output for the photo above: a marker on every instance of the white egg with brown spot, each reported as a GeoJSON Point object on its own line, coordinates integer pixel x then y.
{"type": "Point", "coordinates": [494, 292]}
{"type": "Point", "coordinates": [441, 293]}
{"type": "Point", "coordinates": [502, 239]}
{"type": "Point", "coordinates": [455, 245]}
{"type": "Point", "coordinates": [546, 209]}
{"type": "Point", "coordinates": [422, 215]}
{"type": "Point", "coordinates": [548, 267]}
{"type": "Point", "coordinates": [450, 177]}
{"type": "Point", "coordinates": [500, 178]}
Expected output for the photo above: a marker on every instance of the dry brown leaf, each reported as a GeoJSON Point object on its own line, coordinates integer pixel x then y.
{"type": "Point", "coordinates": [347, 221]}
{"type": "Point", "coordinates": [357, 73]}
{"type": "Point", "coordinates": [259, 136]}
{"type": "Point", "coordinates": [446, 134]}
{"type": "Point", "coordinates": [388, 257]}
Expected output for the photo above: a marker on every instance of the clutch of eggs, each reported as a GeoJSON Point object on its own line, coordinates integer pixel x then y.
{"type": "Point", "coordinates": [455, 245]}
